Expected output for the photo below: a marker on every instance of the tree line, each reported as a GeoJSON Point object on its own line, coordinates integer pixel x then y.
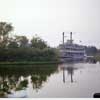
{"type": "Point", "coordinates": [20, 48]}
{"type": "Point", "coordinates": [91, 50]}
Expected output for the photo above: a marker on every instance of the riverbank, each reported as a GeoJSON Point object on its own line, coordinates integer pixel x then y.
{"type": "Point", "coordinates": [28, 63]}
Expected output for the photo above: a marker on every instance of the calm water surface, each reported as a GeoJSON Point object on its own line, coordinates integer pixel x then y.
{"type": "Point", "coordinates": [65, 80]}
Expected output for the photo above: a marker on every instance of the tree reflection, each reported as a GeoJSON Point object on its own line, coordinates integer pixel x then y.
{"type": "Point", "coordinates": [37, 81]}
{"type": "Point", "coordinates": [40, 76]}
{"type": "Point", "coordinates": [22, 85]}
{"type": "Point", "coordinates": [10, 77]}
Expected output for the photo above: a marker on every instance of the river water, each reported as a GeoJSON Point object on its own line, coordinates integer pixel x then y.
{"type": "Point", "coordinates": [73, 80]}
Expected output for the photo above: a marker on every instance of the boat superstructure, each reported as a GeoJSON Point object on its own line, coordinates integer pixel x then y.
{"type": "Point", "coordinates": [70, 51]}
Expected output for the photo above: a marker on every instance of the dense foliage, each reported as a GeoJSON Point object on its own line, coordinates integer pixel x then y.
{"type": "Point", "coordinates": [19, 48]}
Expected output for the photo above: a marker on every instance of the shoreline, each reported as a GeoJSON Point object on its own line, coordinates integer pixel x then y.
{"type": "Point", "coordinates": [28, 63]}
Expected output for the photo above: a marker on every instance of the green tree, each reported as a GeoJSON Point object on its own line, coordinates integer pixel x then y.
{"type": "Point", "coordinates": [5, 29]}
{"type": "Point", "coordinates": [22, 41]}
{"type": "Point", "coordinates": [37, 42]}
{"type": "Point", "coordinates": [12, 43]}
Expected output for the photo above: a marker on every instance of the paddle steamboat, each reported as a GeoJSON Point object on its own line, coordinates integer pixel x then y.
{"type": "Point", "coordinates": [69, 51]}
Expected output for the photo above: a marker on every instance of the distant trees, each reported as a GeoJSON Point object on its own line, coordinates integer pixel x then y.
{"type": "Point", "coordinates": [91, 50]}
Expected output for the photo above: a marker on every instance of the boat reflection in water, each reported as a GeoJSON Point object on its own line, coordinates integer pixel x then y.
{"type": "Point", "coordinates": [70, 68]}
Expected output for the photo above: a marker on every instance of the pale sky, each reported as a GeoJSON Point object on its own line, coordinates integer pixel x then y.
{"type": "Point", "coordinates": [49, 18]}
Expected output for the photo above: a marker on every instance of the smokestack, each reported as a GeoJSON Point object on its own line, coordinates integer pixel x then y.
{"type": "Point", "coordinates": [71, 36]}
{"type": "Point", "coordinates": [63, 38]}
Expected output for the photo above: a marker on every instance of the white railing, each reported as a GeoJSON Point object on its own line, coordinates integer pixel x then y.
{"type": "Point", "coordinates": [73, 51]}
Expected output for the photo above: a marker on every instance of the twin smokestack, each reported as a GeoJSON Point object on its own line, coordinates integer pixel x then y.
{"type": "Point", "coordinates": [70, 37]}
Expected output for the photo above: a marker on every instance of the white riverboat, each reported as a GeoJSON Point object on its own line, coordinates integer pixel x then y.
{"type": "Point", "coordinates": [69, 51]}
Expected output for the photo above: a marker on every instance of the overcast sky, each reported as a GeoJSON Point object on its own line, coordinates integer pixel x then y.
{"type": "Point", "coordinates": [49, 18]}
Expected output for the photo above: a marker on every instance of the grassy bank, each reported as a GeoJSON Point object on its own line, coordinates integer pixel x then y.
{"type": "Point", "coordinates": [28, 63]}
